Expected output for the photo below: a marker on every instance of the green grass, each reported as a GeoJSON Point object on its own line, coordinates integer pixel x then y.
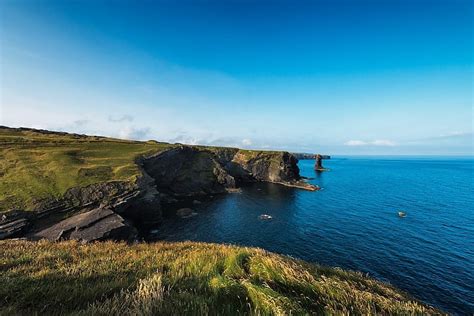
{"type": "Point", "coordinates": [35, 165]}
{"type": "Point", "coordinates": [182, 278]}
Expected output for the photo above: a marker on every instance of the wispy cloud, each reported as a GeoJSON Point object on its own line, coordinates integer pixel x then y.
{"type": "Point", "coordinates": [134, 133]}
{"type": "Point", "coordinates": [382, 142]}
{"type": "Point", "coordinates": [355, 143]}
{"type": "Point", "coordinates": [377, 142]}
{"type": "Point", "coordinates": [453, 135]}
{"type": "Point", "coordinates": [80, 123]}
{"type": "Point", "coordinates": [123, 118]}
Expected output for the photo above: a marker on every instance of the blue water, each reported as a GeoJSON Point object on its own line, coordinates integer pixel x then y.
{"type": "Point", "coordinates": [353, 223]}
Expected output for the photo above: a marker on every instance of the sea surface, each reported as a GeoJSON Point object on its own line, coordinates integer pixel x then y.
{"type": "Point", "coordinates": [353, 222]}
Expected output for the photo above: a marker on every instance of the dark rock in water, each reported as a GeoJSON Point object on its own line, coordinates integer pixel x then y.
{"type": "Point", "coordinates": [97, 224]}
{"type": "Point", "coordinates": [196, 202]}
{"type": "Point", "coordinates": [185, 212]}
{"type": "Point", "coordinates": [319, 163]}
{"type": "Point", "coordinates": [234, 190]}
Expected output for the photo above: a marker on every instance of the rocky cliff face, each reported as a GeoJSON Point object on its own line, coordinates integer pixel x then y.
{"type": "Point", "coordinates": [307, 156]}
{"type": "Point", "coordinates": [268, 166]}
{"type": "Point", "coordinates": [189, 171]}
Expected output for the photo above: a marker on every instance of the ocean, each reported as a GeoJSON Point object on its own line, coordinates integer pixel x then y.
{"type": "Point", "coordinates": [353, 222]}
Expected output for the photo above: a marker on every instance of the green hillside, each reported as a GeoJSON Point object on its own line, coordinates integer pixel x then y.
{"type": "Point", "coordinates": [36, 165]}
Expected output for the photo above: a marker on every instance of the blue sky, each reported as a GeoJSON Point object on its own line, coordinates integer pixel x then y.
{"type": "Point", "coordinates": [336, 77]}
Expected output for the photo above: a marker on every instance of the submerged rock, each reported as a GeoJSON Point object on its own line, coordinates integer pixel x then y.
{"type": "Point", "coordinates": [94, 225]}
{"type": "Point", "coordinates": [234, 190]}
{"type": "Point", "coordinates": [185, 212]}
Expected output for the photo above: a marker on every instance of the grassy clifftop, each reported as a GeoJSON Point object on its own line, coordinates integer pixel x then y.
{"type": "Point", "coordinates": [182, 278]}
{"type": "Point", "coordinates": [40, 164]}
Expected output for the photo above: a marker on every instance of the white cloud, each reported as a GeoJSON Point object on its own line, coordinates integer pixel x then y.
{"type": "Point", "coordinates": [355, 143]}
{"type": "Point", "coordinates": [382, 142]}
{"type": "Point", "coordinates": [246, 142]}
{"type": "Point", "coordinates": [123, 118]}
{"type": "Point", "coordinates": [377, 142]}
{"type": "Point", "coordinates": [134, 133]}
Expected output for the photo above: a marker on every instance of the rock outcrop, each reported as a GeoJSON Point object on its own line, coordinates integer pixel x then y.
{"type": "Point", "coordinates": [94, 225]}
{"type": "Point", "coordinates": [142, 205]}
{"type": "Point", "coordinates": [186, 171]}
{"type": "Point", "coordinates": [14, 224]}
{"type": "Point", "coordinates": [268, 166]}
{"type": "Point", "coordinates": [113, 209]}
{"type": "Point", "coordinates": [97, 193]}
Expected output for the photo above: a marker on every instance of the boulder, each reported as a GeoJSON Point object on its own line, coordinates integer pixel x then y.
{"type": "Point", "coordinates": [97, 224]}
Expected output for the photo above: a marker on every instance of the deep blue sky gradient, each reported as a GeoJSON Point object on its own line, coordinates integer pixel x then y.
{"type": "Point", "coordinates": [351, 77]}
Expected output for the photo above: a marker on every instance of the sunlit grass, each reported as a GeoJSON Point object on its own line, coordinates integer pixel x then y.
{"type": "Point", "coordinates": [34, 166]}
{"type": "Point", "coordinates": [182, 278]}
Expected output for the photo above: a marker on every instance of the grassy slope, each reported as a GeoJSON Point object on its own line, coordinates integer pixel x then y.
{"type": "Point", "coordinates": [181, 278]}
{"type": "Point", "coordinates": [35, 165]}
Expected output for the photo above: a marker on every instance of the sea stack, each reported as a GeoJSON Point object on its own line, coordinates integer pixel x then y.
{"type": "Point", "coordinates": [318, 166]}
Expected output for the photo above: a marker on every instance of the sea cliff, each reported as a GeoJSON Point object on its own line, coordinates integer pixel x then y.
{"type": "Point", "coordinates": [68, 186]}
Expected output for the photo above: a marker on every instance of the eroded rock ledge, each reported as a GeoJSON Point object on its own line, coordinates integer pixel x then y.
{"type": "Point", "coordinates": [113, 210]}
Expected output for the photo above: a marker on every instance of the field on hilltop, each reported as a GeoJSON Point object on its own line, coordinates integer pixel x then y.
{"type": "Point", "coordinates": [38, 164]}
{"type": "Point", "coordinates": [182, 278]}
